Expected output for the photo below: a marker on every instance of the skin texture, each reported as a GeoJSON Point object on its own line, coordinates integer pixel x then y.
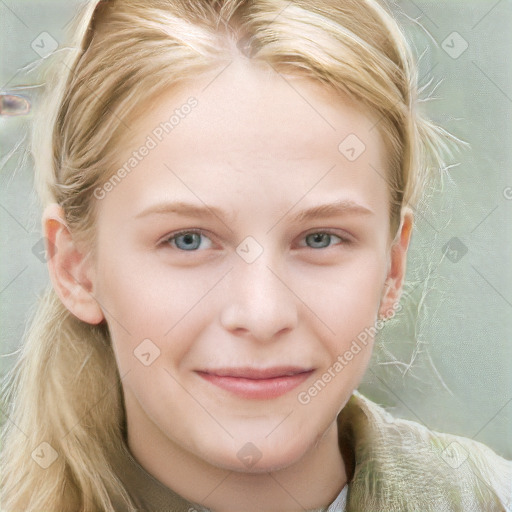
{"type": "Point", "coordinates": [262, 147]}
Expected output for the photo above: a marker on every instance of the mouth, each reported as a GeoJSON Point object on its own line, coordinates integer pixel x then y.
{"type": "Point", "coordinates": [256, 383]}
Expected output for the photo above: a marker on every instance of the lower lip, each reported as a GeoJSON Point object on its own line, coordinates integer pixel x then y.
{"type": "Point", "coordinates": [261, 389]}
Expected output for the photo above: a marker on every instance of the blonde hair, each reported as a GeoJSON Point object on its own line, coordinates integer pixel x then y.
{"type": "Point", "coordinates": [64, 389]}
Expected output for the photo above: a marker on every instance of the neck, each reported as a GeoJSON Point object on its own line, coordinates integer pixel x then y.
{"type": "Point", "coordinates": [311, 482]}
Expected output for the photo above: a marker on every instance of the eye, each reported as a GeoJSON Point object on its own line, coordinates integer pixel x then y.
{"type": "Point", "coordinates": [321, 239]}
{"type": "Point", "coordinates": [189, 240]}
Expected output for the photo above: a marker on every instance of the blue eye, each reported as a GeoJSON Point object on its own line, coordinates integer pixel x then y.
{"type": "Point", "coordinates": [191, 240]}
{"type": "Point", "coordinates": [321, 239]}
{"type": "Point", "coordinates": [186, 240]}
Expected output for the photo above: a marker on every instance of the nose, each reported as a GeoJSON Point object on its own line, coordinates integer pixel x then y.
{"type": "Point", "coordinates": [260, 304]}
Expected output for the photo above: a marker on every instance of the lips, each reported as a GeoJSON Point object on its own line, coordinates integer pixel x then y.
{"type": "Point", "coordinates": [257, 383]}
{"type": "Point", "coordinates": [257, 373]}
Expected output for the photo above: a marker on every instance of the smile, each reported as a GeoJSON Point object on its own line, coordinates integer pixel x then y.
{"type": "Point", "coordinates": [257, 383]}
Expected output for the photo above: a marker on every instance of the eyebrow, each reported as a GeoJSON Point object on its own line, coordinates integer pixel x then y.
{"type": "Point", "coordinates": [341, 207]}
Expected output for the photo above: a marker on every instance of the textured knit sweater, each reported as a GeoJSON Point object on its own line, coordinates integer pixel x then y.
{"type": "Point", "coordinates": [392, 465]}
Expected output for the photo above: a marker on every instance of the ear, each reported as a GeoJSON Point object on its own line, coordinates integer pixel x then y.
{"type": "Point", "coordinates": [397, 265]}
{"type": "Point", "coordinates": [70, 270]}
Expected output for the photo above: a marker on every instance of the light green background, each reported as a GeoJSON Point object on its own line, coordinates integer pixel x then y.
{"type": "Point", "coordinates": [446, 360]}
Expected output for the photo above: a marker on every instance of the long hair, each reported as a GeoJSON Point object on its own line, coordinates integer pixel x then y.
{"type": "Point", "coordinates": [62, 398]}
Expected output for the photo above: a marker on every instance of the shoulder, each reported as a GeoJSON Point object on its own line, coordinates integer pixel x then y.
{"type": "Point", "coordinates": [402, 464]}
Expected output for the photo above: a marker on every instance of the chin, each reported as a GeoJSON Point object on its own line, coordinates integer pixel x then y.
{"type": "Point", "coordinates": [256, 458]}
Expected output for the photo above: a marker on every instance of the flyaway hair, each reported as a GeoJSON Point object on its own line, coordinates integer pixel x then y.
{"type": "Point", "coordinates": [64, 388]}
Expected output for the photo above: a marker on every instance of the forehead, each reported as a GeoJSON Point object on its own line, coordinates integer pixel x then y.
{"type": "Point", "coordinates": [250, 126]}
{"type": "Point", "coordinates": [244, 99]}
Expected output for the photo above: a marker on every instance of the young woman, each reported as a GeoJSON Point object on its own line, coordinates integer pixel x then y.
{"type": "Point", "coordinates": [228, 192]}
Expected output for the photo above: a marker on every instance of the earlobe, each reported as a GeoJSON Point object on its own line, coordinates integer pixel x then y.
{"type": "Point", "coordinates": [397, 266]}
{"type": "Point", "coordinates": [70, 270]}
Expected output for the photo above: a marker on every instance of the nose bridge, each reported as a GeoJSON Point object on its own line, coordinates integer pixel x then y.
{"type": "Point", "coordinates": [258, 302]}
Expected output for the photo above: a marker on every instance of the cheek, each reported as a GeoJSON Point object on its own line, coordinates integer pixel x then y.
{"type": "Point", "coordinates": [350, 309]}
{"type": "Point", "coordinates": [140, 294]}
{"type": "Point", "coordinates": [347, 297]}
{"type": "Point", "coordinates": [157, 303]}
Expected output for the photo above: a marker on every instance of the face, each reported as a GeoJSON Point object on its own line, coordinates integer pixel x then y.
{"type": "Point", "coordinates": [238, 261]}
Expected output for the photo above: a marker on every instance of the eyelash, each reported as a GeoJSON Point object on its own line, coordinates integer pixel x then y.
{"type": "Point", "coordinates": [173, 236]}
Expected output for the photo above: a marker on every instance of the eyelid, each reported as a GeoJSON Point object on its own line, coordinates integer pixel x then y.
{"type": "Point", "coordinates": [176, 234]}
{"type": "Point", "coordinates": [346, 238]}
{"type": "Point", "coordinates": [342, 233]}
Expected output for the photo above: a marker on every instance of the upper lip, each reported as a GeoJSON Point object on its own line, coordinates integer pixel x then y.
{"type": "Point", "coordinates": [258, 373]}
